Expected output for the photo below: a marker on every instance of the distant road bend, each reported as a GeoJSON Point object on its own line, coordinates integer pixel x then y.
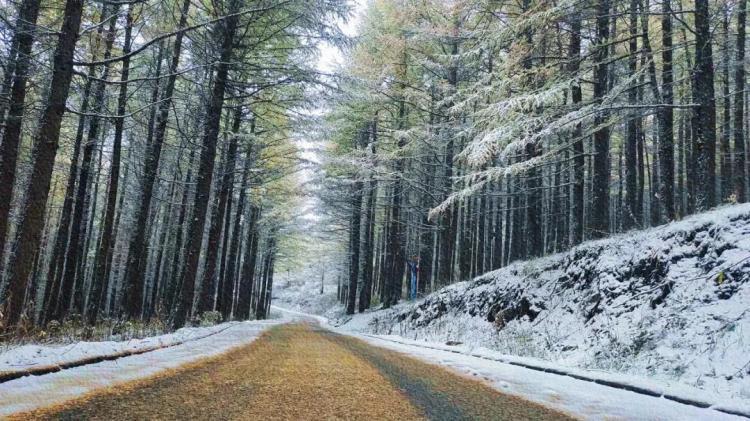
{"type": "Point", "coordinates": [301, 372]}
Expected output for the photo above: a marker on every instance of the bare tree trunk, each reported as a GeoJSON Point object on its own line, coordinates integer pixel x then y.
{"type": "Point", "coordinates": [23, 41]}
{"type": "Point", "coordinates": [72, 280]}
{"type": "Point", "coordinates": [217, 219]}
{"type": "Point", "coordinates": [599, 221]}
{"type": "Point", "coordinates": [205, 172]}
{"type": "Point", "coordinates": [136, 266]}
{"type": "Point", "coordinates": [45, 148]}
{"type": "Point", "coordinates": [704, 115]}
{"type": "Point", "coordinates": [579, 158]}
{"type": "Point", "coordinates": [740, 182]}
{"type": "Point", "coordinates": [247, 279]}
{"type": "Point", "coordinates": [99, 285]}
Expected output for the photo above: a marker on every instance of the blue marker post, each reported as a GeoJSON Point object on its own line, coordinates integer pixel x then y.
{"type": "Point", "coordinates": [414, 272]}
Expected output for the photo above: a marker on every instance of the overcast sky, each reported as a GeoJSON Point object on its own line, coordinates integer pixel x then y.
{"type": "Point", "coordinates": [330, 56]}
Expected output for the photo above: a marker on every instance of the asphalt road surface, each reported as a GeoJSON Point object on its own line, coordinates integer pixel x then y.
{"type": "Point", "coordinates": [302, 372]}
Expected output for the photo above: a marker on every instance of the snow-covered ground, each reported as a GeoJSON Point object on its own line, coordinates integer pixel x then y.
{"type": "Point", "coordinates": [32, 392]}
{"type": "Point", "coordinates": [665, 309]}
{"type": "Point", "coordinates": [302, 294]}
{"type": "Point", "coordinates": [669, 304]}
{"type": "Point", "coordinates": [32, 357]}
{"type": "Point", "coordinates": [576, 396]}
{"type": "Point", "coordinates": [581, 399]}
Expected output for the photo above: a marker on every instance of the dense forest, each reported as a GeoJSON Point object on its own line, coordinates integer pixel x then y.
{"type": "Point", "coordinates": [471, 134]}
{"type": "Point", "coordinates": [146, 164]}
{"type": "Point", "coordinates": [150, 160]}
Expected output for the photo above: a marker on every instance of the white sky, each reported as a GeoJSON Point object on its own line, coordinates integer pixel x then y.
{"type": "Point", "coordinates": [331, 57]}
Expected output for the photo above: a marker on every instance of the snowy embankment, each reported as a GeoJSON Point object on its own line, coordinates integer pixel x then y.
{"type": "Point", "coordinates": [666, 310]}
{"type": "Point", "coordinates": [579, 398]}
{"type": "Point", "coordinates": [148, 356]}
{"type": "Point", "coordinates": [28, 360]}
{"type": "Point", "coordinates": [580, 393]}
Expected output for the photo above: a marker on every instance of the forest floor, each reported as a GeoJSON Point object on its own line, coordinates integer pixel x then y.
{"type": "Point", "coordinates": [301, 371]}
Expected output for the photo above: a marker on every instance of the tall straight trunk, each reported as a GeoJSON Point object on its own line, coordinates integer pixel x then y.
{"type": "Point", "coordinates": [446, 224]}
{"type": "Point", "coordinates": [579, 158]}
{"type": "Point", "coordinates": [23, 41]}
{"type": "Point", "coordinates": [681, 166]}
{"type": "Point", "coordinates": [208, 287]}
{"type": "Point", "coordinates": [247, 277]}
{"type": "Point", "coordinates": [354, 244]}
{"type": "Point", "coordinates": [465, 240]}
{"type": "Point", "coordinates": [206, 168]}
{"type": "Point", "coordinates": [266, 285]}
{"type": "Point", "coordinates": [234, 269]}
{"type": "Point", "coordinates": [7, 84]}
{"type": "Point", "coordinates": [481, 241]}
{"type": "Point", "coordinates": [382, 271]}
{"type": "Point", "coordinates": [57, 261]}
{"type": "Point", "coordinates": [704, 114]}
{"type": "Point", "coordinates": [155, 110]}
{"type": "Point", "coordinates": [174, 277]}
{"type": "Point", "coordinates": [599, 221]}
{"type": "Point", "coordinates": [365, 292]}
{"type": "Point", "coordinates": [99, 284]}
{"type": "Point", "coordinates": [395, 244]}
{"type": "Point", "coordinates": [740, 182]}
{"type": "Point", "coordinates": [518, 205]}
{"type": "Point", "coordinates": [46, 143]}
{"type": "Point", "coordinates": [72, 289]}
{"type": "Point", "coordinates": [725, 147]}
{"type": "Point", "coordinates": [666, 114]}
{"type": "Point", "coordinates": [631, 203]}
{"type": "Point", "coordinates": [157, 284]}
{"type": "Point", "coordinates": [497, 227]}
{"type": "Point", "coordinates": [90, 216]}
{"type": "Point", "coordinates": [137, 254]}
{"type": "Point", "coordinates": [225, 196]}
{"type": "Point", "coordinates": [232, 261]}
{"type": "Point", "coordinates": [654, 183]}
{"type": "Point", "coordinates": [535, 244]}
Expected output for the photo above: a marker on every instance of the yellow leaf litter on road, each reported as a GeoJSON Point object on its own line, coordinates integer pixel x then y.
{"type": "Point", "coordinates": [299, 372]}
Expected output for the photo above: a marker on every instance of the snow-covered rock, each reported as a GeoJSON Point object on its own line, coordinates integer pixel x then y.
{"type": "Point", "coordinates": [670, 303]}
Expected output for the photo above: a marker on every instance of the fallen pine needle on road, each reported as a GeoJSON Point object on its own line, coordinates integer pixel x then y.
{"type": "Point", "coordinates": [301, 372]}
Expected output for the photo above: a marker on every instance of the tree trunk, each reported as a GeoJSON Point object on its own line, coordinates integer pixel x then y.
{"type": "Point", "coordinates": [630, 208]}
{"type": "Point", "coordinates": [206, 168]}
{"type": "Point", "coordinates": [354, 244]}
{"type": "Point", "coordinates": [666, 120]}
{"type": "Point", "coordinates": [704, 114]}
{"type": "Point", "coordinates": [244, 296]}
{"type": "Point", "coordinates": [23, 41]}
{"type": "Point", "coordinates": [99, 285]}
{"type": "Point", "coordinates": [136, 266]}
{"type": "Point", "coordinates": [46, 143]}
{"type": "Point", "coordinates": [72, 288]}
{"type": "Point", "coordinates": [599, 221]}
{"type": "Point", "coordinates": [740, 182]}
{"type": "Point", "coordinates": [208, 283]}
{"type": "Point", "coordinates": [579, 158]}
